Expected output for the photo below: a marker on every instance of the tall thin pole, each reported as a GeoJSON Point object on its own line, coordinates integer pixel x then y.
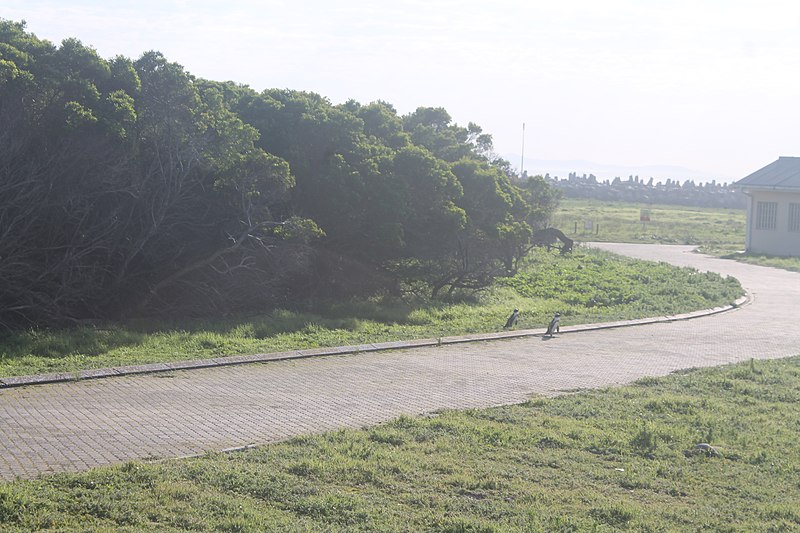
{"type": "Point", "coordinates": [522, 158]}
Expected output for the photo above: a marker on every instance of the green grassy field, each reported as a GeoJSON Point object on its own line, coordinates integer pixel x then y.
{"type": "Point", "coordinates": [586, 286]}
{"type": "Point", "coordinates": [717, 229]}
{"type": "Point", "coordinates": [605, 460]}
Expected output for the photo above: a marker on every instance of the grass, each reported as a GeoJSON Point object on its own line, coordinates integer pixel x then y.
{"type": "Point", "coordinates": [604, 460]}
{"type": "Point", "coordinates": [669, 224]}
{"type": "Point", "coordinates": [587, 286]}
{"type": "Point", "coordinates": [785, 263]}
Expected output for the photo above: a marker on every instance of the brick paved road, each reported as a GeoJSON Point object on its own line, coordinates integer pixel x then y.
{"type": "Point", "coordinates": [78, 425]}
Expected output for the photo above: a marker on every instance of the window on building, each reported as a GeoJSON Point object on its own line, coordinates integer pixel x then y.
{"type": "Point", "coordinates": [766, 215]}
{"type": "Point", "coordinates": [794, 217]}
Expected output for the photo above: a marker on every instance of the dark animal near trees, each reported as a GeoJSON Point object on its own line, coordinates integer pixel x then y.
{"type": "Point", "coordinates": [548, 236]}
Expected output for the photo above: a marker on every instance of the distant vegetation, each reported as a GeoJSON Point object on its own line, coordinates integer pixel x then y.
{"type": "Point", "coordinates": [586, 286]}
{"type": "Point", "coordinates": [131, 188]}
{"type": "Point", "coordinates": [637, 190]}
{"type": "Point", "coordinates": [615, 459]}
{"type": "Point", "coordinates": [715, 229]}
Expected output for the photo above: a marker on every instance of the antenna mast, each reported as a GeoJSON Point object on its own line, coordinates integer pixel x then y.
{"type": "Point", "coordinates": [522, 158]}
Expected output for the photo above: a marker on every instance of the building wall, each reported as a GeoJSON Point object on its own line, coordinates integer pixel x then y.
{"type": "Point", "coordinates": [778, 241]}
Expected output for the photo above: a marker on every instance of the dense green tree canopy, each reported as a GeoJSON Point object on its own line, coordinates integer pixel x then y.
{"type": "Point", "coordinates": [131, 187]}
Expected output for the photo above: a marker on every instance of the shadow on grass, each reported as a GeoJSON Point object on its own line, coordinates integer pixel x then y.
{"type": "Point", "coordinates": [330, 315]}
{"type": "Point", "coordinates": [90, 341]}
{"type": "Point", "coordinates": [341, 315]}
{"type": "Point", "coordinates": [57, 344]}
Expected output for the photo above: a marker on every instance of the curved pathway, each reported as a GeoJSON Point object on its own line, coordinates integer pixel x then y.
{"type": "Point", "coordinates": [78, 425]}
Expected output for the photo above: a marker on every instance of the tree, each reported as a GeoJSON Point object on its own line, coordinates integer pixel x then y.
{"type": "Point", "coordinates": [431, 127]}
{"type": "Point", "coordinates": [55, 157]}
{"type": "Point", "coordinates": [125, 185]}
{"type": "Point", "coordinates": [495, 232]}
{"type": "Point", "coordinates": [202, 211]}
{"type": "Point", "coordinates": [381, 123]}
{"type": "Point", "coordinates": [132, 187]}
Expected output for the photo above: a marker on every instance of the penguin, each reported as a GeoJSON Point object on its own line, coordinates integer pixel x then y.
{"type": "Point", "coordinates": [512, 319]}
{"type": "Point", "coordinates": [554, 326]}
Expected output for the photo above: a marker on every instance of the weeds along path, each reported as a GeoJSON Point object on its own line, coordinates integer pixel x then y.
{"type": "Point", "coordinates": [79, 425]}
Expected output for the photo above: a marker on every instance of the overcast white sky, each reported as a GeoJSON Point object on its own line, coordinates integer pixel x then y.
{"type": "Point", "coordinates": [707, 85]}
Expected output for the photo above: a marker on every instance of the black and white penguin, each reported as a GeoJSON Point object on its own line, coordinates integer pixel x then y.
{"type": "Point", "coordinates": [512, 319]}
{"type": "Point", "coordinates": [554, 325]}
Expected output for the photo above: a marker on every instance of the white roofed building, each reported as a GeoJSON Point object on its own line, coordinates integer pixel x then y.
{"type": "Point", "coordinates": [773, 208]}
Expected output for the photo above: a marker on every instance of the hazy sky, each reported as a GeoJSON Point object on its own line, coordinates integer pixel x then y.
{"type": "Point", "coordinates": [713, 86]}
